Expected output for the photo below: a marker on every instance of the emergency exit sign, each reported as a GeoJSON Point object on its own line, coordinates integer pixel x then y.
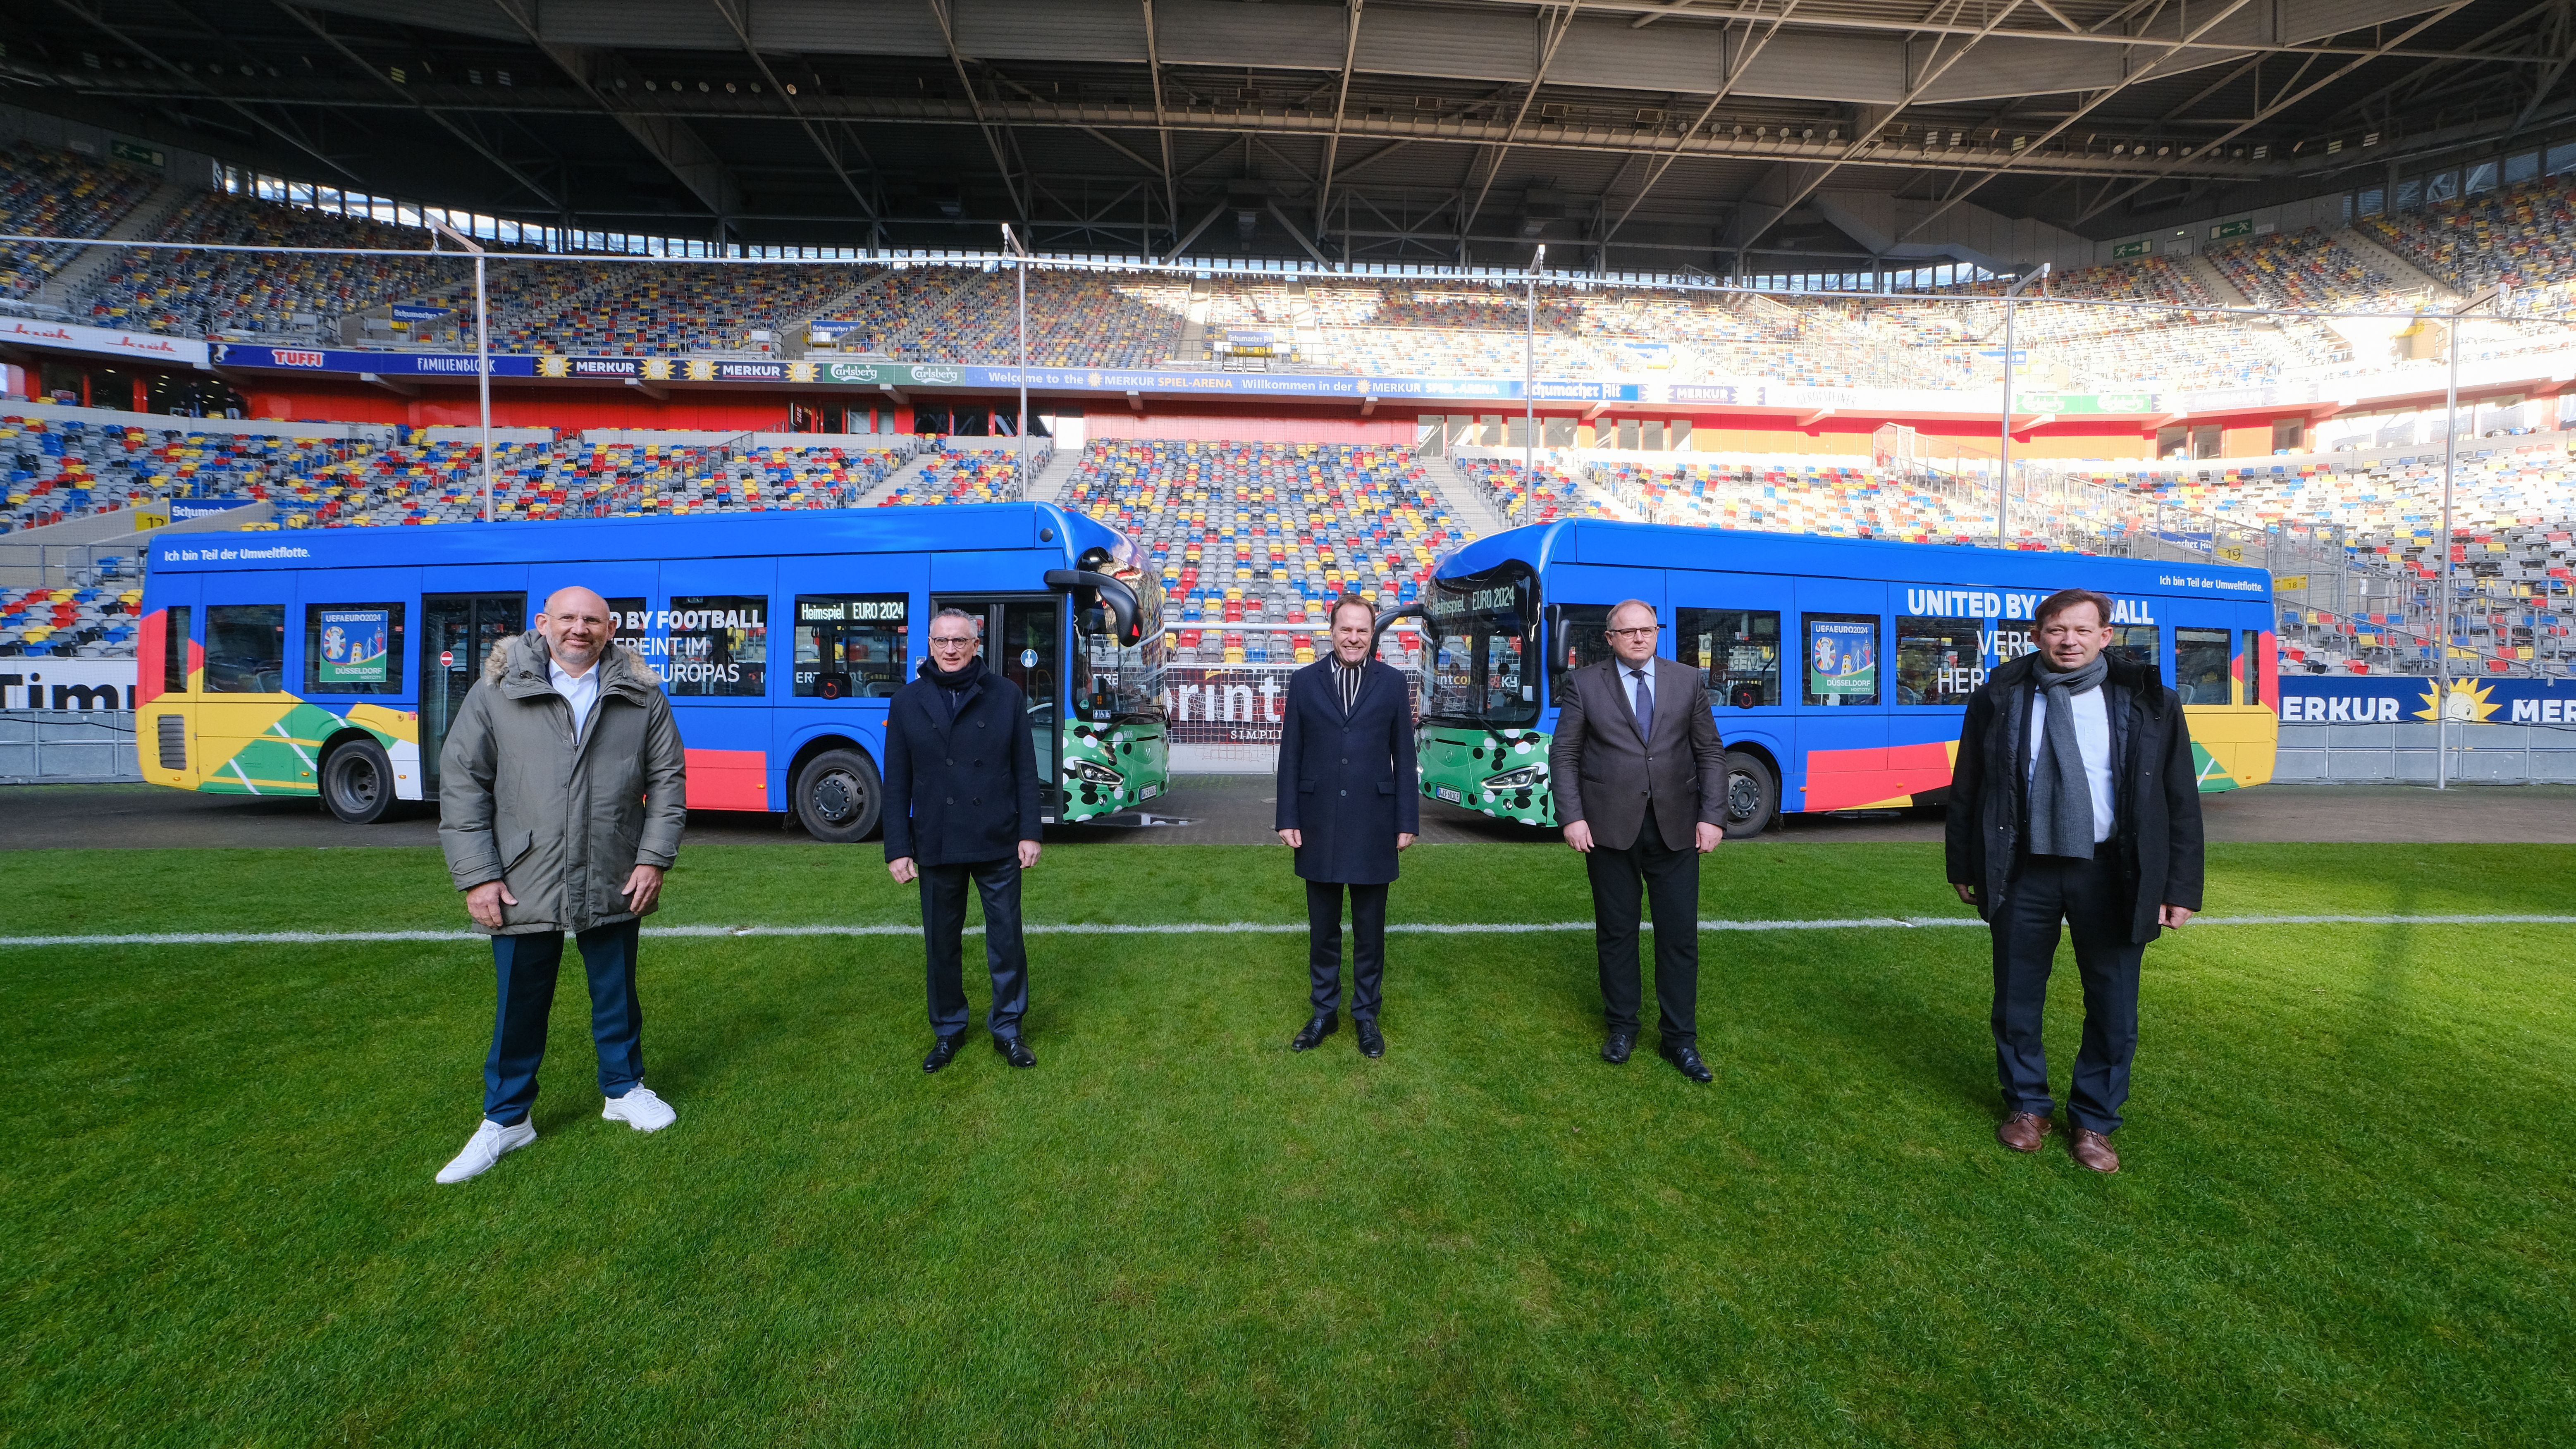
{"type": "Point", "coordinates": [136, 152]}
{"type": "Point", "coordinates": [2226, 229]}
{"type": "Point", "coordinates": [2127, 249]}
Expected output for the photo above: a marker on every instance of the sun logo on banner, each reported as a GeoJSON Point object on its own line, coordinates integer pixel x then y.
{"type": "Point", "coordinates": [2467, 703]}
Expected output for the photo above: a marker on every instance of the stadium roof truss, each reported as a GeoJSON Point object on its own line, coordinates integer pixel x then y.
{"type": "Point", "coordinates": [1684, 133]}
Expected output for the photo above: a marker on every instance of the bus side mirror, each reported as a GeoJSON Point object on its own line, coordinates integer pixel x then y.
{"type": "Point", "coordinates": [1090, 589]}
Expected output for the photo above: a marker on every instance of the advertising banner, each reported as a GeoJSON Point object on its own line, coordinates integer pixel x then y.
{"type": "Point", "coordinates": [1234, 704]}
{"type": "Point", "coordinates": [103, 341]}
{"type": "Point", "coordinates": [2410, 699]}
{"type": "Point", "coordinates": [183, 509]}
{"type": "Point", "coordinates": [414, 312]}
{"type": "Point", "coordinates": [1843, 657]}
{"type": "Point", "coordinates": [351, 360]}
{"type": "Point", "coordinates": [66, 683]}
{"type": "Point", "coordinates": [354, 646]}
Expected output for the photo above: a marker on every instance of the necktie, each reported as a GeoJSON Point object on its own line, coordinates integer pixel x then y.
{"type": "Point", "coordinates": [1644, 702]}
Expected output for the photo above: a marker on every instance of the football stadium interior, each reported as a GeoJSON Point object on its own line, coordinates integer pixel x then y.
{"type": "Point", "coordinates": [1302, 298]}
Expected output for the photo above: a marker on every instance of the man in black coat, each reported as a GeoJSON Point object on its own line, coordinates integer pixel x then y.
{"type": "Point", "coordinates": [2074, 799]}
{"type": "Point", "coordinates": [961, 783]}
{"type": "Point", "coordinates": [1347, 803]}
{"type": "Point", "coordinates": [1640, 781]}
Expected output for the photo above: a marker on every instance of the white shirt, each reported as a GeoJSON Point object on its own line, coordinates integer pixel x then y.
{"type": "Point", "coordinates": [581, 691]}
{"type": "Point", "coordinates": [2092, 741]}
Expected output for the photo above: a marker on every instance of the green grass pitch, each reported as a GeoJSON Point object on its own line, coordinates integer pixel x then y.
{"type": "Point", "coordinates": [2345, 1220]}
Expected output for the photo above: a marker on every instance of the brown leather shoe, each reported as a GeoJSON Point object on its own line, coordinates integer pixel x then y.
{"type": "Point", "coordinates": [2023, 1131]}
{"type": "Point", "coordinates": [2093, 1150]}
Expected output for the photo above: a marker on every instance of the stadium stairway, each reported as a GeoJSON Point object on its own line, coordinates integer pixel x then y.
{"type": "Point", "coordinates": [2206, 272]}
{"type": "Point", "coordinates": [2406, 273]}
{"type": "Point", "coordinates": [1048, 486]}
{"type": "Point", "coordinates": [909, 474]}
{"type": "Point", "coordinates": [1194, 321]}
{"type": "Point", "coordinates": [1463, 502]}
{"type": "Point", "coordinates": [149, 213]}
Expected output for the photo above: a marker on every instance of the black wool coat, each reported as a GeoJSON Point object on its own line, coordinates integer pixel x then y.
{"type": "Point", "coordinates": [1348, 782]}
{"type": "Point", "coordinates": [965, 789]}
{"type": "Point", "coordinates": [2155, 789]}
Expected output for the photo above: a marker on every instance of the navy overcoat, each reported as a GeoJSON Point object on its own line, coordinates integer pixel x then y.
{"type": "Point", "coordinates": [959, 789]}
{"type": "Point", "coordinates": [1348, 783]}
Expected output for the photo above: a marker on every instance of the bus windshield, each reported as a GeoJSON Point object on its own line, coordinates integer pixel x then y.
{"type": "Point", "coordinates": [1111, 682]}
{"type": "Point", "coordinates": [1478, 664]}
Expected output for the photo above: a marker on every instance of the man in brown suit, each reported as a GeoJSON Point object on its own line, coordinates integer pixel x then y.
{"type": "Point", "coordinates": [1640, 780]}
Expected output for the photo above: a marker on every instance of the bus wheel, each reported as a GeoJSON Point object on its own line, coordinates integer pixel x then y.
{"type": "Point", "coordinates": [1752, 795]}
{"type": "Point", "coordinates": [358, 782]}
{"type": "Point", "coordinates": [838, 796]}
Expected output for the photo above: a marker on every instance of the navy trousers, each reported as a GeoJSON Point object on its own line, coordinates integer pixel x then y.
{"type": "Point", "coordinates": [943, 923]}
{"type": "Point", "coordinates": [526, 966]}
{"type": "Point", "coordinates": [2087, 895]}
{"type": "Point", "coordinates": [1324, 947]}
{"type": "Point", "coordinates": [1669, 881]}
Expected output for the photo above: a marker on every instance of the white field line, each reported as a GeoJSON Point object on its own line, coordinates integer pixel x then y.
{"type": "Point", "coordinates": [1217, 928]}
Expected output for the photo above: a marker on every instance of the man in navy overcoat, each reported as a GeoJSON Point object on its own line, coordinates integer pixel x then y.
{"type": "Point", "coordinates": [961, 782]}
{"type": "Point", "coordinates": [1347, 804]}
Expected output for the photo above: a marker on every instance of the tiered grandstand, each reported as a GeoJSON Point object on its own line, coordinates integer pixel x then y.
{"type": "Point", "coordinates": [968, 476]}
{"type": "Point", "coordinates": [1253, 536]}
{"type": "Point", "coordinates": [1254, 540]}
{"type": "Point", "coordinates": [200, 293]}
{"type": "Point", "coordinates": [68, 623]}
{"type": "Point", "coordinates": [968, 314]}
{"type": "Point", "coordinates": [55, 193]}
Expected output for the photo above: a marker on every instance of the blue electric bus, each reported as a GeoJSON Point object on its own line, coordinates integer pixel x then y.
{"type": "Point", "coordinates": [331, 662]}
{"type": "Point", "coordinates": [1838, 669]}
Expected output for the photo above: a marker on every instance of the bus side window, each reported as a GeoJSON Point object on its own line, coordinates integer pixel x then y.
{"type": "Point", "coordinates": [1737, 652]}
{"type": "Point", "coordinates": [245, 648]}
{"type": "Point", "coordinates": [1842, 659]}
{"type": "Point", "coordinates": [1938, 660]}
{"type": "Point", "coordinates": [2138, 639]}
{"type": "Point", "coordinates": [2201, 666]}
{"type": "Point", "coordinates": [1581, 636]}
{"type": "Point", "coordinates": [174, 650]}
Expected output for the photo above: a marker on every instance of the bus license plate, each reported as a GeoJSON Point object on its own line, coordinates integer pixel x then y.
{"type": "Point", "coordinates": [1450, 793]}
{"type": "Point", "coordinates": [1149, 792]}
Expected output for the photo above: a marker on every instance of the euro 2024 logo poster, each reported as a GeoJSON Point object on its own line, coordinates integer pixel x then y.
{"type": "Point", "coordinates": [354, 649]}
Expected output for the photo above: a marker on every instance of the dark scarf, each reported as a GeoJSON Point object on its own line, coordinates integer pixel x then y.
{"type": "Point", "coordinates": [2061, 802]}
{"type": "Point", "coordinates": [956, 685]}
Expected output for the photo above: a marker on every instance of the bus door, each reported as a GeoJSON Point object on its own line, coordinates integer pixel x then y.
{"type": "Point", "coordinates": [1730, 627]}
{"type": "Point", "coordinates": [1024, 641]}
{"type": "Point", "coordinates": [457, 631]}
{"type": "Point", "coordinates": [1843, 693]}
{"type": "Point", "coordinates": [2232, 734]}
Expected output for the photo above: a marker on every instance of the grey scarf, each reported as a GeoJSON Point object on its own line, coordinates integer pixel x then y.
{"type": "Point", "coordinates": [2061, 802]}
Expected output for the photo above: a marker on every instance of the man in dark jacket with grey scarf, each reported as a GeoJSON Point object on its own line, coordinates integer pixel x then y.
{"type": "Point", "coordinates": [2074, 799]}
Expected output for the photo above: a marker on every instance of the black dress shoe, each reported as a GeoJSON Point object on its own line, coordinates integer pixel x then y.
{"type": "Point", "coordinates": [1371, 1044]}
{"type": "Point", "coordinates": [1313, 1032]}
{"type": "Point", "coordinates": [1014, 1051]}
{"type": "Point", "coordinates": [942, 1052]}
{"type": "Point", "coordinates": [1685, 1059]}
{"type": "Point", "coordinates": [1615, 1050]}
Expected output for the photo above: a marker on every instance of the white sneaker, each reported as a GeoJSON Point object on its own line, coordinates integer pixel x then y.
{"type": "Point", "coordinates": [489, 1143]}
{"type": "Point", "coordinates": [640, 1109]}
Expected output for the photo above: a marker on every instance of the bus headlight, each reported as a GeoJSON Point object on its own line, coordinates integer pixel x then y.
{"type": "Point", "coordinates": [1520, 779]}
{"type": "Point", "coordinates": [1090, 773]}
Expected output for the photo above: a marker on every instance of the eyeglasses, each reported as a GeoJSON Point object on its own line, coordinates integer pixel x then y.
{"type": "Point", "coordinates": [1637, 633]}
{"type": "Point", "coordinates": [938, 641]}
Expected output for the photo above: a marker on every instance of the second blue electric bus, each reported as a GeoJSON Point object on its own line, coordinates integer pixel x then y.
{"type": "Point", "coordinates": [1838, 669]}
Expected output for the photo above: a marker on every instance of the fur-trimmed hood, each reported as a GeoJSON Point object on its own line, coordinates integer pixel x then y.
{"type": "Point", "coordinates": [519, 665]}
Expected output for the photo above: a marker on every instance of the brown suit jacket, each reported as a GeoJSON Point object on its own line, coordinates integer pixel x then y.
{"type": "Point", "coordinates": [1604, 773]}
